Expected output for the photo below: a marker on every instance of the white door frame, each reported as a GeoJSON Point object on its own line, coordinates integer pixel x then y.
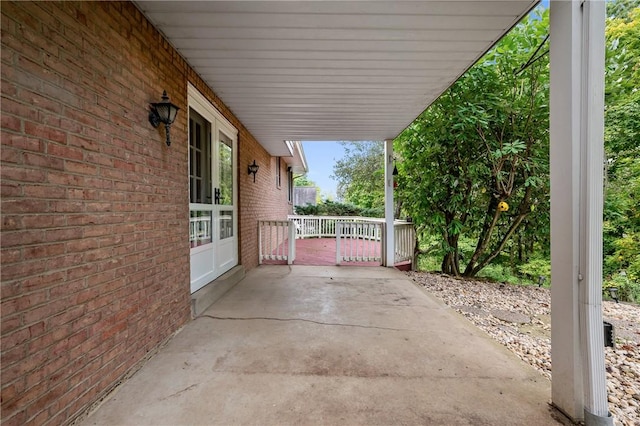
{"type": "Point", "coordinates": [206, 271]}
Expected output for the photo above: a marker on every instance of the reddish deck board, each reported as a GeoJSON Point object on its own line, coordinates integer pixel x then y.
{"type": "Point", "coordinates": [317, 252]}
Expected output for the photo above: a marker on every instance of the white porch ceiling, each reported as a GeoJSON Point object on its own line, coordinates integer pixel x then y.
{"type": "Point", "coordinates": [331, 70]}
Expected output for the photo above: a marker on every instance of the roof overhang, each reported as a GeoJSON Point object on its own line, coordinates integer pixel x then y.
{"type": "Point", "coordinates": [331, 70]}
{"type": "Point", "coordinates": [296, 161]}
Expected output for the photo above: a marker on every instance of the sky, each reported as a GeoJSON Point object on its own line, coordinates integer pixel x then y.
{"type": "Point", "coordinates": [321, 156]}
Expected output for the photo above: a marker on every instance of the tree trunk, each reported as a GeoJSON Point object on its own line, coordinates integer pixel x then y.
{"type": "Point", "coordinates": [398, 209]}
{"type": "Point", "coordinates": [451, 261]}
{"type": "Point", "coordinates": [484, 262]}
{"type": "Point", "coordinates": [450, 265]}
{"type": "Point", "coordinates": [483, 239]}
{"type": "Point", "coordinates": [475, 265]}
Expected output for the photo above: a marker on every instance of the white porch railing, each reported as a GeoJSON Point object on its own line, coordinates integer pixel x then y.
{"type": "Point", "coordinates": [325, 227]}
{"type": "Point", "coordinates": [359, 241]}
{"type": "Point", "coordinates": [320, 226]}
{"type": "Point", "coordinates": [404, 235]}
{"type": "Point", "coordinates": [276, 240]}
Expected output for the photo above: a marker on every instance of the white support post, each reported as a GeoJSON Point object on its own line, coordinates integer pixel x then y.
{"type": "Point", "coordinates": [292, 243]}
{"type": "Point", "coordinates": [260, 252]}
{"type": "Point", "coordinates": [576, 131]}
{"type": "Point", "coordinates": [388, 260]}
{"type": "Point", "coordinates": [592, 183]}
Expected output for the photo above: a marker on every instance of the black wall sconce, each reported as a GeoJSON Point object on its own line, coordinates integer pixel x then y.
{"type": "Point", "coordinates": [163, 112]}
{"type": "Point", "coordinates": [253, 169]}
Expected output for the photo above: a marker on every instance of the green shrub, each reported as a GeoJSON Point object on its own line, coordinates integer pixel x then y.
{"type": "Point", "coordinates": [332, 208]}
{"type": "Point", "coordinates": [628, 290]}
{"type": "Point", "coordinates": [499, 273]}
{"type": "Point", "coordinates": [429, 263]}
{"type": "Point", "coordinates": [535, 268]}
{"type": "Point", "coordinates": [308, 210]}
{"type": "Point", "coordinates": [373, 212]}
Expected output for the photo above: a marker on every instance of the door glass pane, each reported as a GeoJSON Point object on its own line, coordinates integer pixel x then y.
{"type": "Point", "coordinates": [225, 163]}
{"type": "Point", "coordinates": [200, 228]}
{"type": "Point", "coordinates": [226, 224]}
{"type": "Point", "coordinates": [200, 184]}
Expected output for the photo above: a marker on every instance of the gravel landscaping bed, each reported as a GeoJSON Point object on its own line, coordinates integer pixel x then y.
{"type": "Point", "coordinates": [519, 318]}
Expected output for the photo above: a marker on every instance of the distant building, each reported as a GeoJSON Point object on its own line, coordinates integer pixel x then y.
{"type": "Point", "coordinates": [303, 195]}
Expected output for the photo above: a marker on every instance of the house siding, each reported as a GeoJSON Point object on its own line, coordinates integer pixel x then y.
{"type": "Point", "coordinates": [95, 250]}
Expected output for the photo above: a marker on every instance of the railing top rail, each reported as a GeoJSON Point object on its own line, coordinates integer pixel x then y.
{"type": "Point", "coordinates": [349, 218]}
{"type": "Point", "coordinates": [304, 216]}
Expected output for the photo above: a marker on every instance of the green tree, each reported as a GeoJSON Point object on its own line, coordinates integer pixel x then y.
{"type": "Point", "coordinates": [619, 9]}
{"type": "Point", "coordinates": [303, 180]}
{"type": "Point", "coordinates": [481, 146]}
{"type": "Point", "coordinates": [621, 236]}
{"type": "Point", "coordinates": [328, 207]}
{"type": "Point", "coordinates": [360, 174]}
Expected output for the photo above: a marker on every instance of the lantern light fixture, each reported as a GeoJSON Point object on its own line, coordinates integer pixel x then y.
{"type": "Point", "coordinates": [163, 112]}
{"type": "Point", "coordinates": [253, 169]}
{"type": "Point", "coordinates": [613, 292]}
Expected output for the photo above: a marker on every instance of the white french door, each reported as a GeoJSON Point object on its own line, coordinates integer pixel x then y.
{"type": "Point", "coordinates": [212, 194]}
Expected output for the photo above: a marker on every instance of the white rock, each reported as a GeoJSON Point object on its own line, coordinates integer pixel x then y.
{"type": "Point", "coordinates": [533, 347]}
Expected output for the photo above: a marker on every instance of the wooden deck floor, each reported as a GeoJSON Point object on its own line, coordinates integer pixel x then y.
{"type": "Point", "coordinates": [318, 252]}
{"type": "Point", "coordinates": [322, 252]}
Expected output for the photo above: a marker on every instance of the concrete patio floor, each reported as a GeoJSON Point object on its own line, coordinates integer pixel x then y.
{"type": "Point", "coordinates": [330, 345]}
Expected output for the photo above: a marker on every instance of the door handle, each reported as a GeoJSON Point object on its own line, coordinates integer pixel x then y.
{"type": "Point", "coordinates": [216, 194]}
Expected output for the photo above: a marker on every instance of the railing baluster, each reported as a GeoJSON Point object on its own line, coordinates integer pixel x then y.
{"type": "Point", "coordinates": [338, 238]}
{"type": "Point", "coordinates": [359, 237]}
{"type": "Point", "coordinates": [349, 233]}
{"type": "Point", "coordinates": [276, 240]}
{"type": "Point", "coordinates": [354, 241]}
{"type": "Point", "coordinates": [260, 253]}
{"type": "Point", "coordinates": [279, 242]}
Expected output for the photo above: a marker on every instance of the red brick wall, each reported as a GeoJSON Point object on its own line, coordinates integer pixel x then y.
{"type": "Point", "coordinates": [95, 251]}
{"type": "Point", "coordinates": [261, 200]}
